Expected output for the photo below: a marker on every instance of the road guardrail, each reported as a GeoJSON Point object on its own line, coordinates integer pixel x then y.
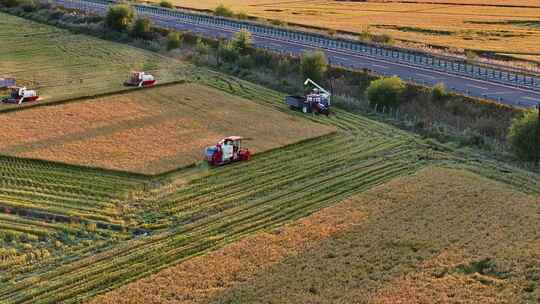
{"type": "Point", "coordinates": [427, 61]}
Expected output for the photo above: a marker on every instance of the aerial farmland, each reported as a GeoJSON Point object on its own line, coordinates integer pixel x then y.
{"type": "Point", "coordinates": [110, 191]}
{"type": "Point", "coordinates": [503, 27]}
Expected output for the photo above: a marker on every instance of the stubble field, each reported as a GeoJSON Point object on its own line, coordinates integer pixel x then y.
{"type": "Point", "coordinates": [148, 131]}
{"type": "Point", "coordinates": [439, 236]}
{"type": "Point", "coordinates": [505, 27]}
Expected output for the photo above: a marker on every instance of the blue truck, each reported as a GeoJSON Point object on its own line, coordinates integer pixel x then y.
{"type": "Point", "coordinates": [318, 101]}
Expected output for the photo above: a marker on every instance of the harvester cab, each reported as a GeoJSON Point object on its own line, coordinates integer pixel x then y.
{"type": "Point", "coordinates": [19, 95]}
{"type": "Point", "coordinates": [140, 79]}
{"type": "Point", "coordinates": [226, 151]}
{"type": "Point", "coordinates": [318, 101]}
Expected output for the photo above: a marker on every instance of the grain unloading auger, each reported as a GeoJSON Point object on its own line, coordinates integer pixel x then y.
{"type": "Point", "coordinates": [318, 101]}
{"type": "Point", "coordinates": [140, 79]}
{"type": "Point", "coordinates": [19, 95]}
{"type": "Point", "coordinates": [226, 151]}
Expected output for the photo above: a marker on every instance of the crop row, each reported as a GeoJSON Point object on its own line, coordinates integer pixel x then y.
{"type": "Point", "coordinates": [342, 119]}
{"type": "Point", "coordinates": [233, 201]}
{"type": "Point", "coordinates": [62, 190]}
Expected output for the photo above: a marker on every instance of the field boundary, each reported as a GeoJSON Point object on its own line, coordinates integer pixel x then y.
{"type": "Point", "coordinates": [39, 161]}
{"type": "Point", "coordinates": [167, 174]}
{"type": "Point", "coordinates": [90, 97]}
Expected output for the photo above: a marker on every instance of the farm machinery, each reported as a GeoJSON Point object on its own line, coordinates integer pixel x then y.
{"type": "Point", "coordinates": [19, 95]}
{"type": "Point", "coordinates": [318, 101]}
{"type": "Point", "coordinates": [140, 79]}
{"type": "Point", "coordinates": [6, 82]}
{"type": "Point", "coordinates": [226, 151]}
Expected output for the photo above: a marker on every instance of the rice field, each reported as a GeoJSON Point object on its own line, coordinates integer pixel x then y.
{"type": "Point", "coordinates": [506, 27]}
{"type": "Point", "coordinates": [128, 226]}
{"type": "Point", "coordinates": [48, 212]}
{"type": "Point", "coordinates": [149, 131]}
{"type": "Point", "coordinates": [171, 218]}
{"type": "Point", "coordinates": [423, 238]}
{"type": "Point", "coordinates": [60, 65]}
{"type": "Point", "coordinates": [70, 232]}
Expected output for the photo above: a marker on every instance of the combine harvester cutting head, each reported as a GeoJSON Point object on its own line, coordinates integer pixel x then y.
{"type": "Point", "coordinates": [318, 101]}
{"type": "Point", "coordinates": [140, 79]}
{"type": "Point", "coordinates": [21, 94]}
{"type": "Point", "coordinates": [226, 151]}
{"type": "Point", "coordinates": [6, 82]}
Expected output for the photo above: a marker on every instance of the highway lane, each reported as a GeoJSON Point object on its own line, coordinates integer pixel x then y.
{"type": "Point", "coordinates": [468, 86]}
{"type": "Point", "coordinates": [494, 91]}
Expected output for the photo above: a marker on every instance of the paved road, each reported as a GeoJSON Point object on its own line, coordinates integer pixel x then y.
{"type": "Point", "coordinates": [502, 93]}
{"type": "Point", "coordinates": [464, 85]}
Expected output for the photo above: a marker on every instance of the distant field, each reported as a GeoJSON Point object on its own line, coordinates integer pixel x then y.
{"type": "Point", "coordinates": [510, 27]}
{"type": "Point", "coordinates": [60, 64]}
{"type": "Point", "coordinates": [440, 236]}
{"type": "Point", "coordinates": [148, 131]}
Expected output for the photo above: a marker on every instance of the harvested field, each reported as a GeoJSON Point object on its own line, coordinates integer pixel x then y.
{"type": "Point", "coordinates": [125, 227]}
{"type": "Point", "coordinates": [509, 27]}
{"type": "Point", "coordinates": [60, 64]}
{"type": "Point", "coordinates": [69, 233]}
{"type": "Point", "coordinates": [438, 236]}
{"type": "Point", "coordinates": [148, 131]}
{"type": "Point", "coordinates": [189, 212]}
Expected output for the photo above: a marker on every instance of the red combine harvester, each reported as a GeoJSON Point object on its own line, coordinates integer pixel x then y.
{"type": "Point", "coordinates": [226, 151]}
{"type": "Point", "coordinates": [21, 94]}
{"type": "Point", "coordinates": [140, 79]}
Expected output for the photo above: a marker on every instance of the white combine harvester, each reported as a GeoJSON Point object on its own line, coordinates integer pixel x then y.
{"type": "Point", "coordinates": [21, 94]}
{"type": "Point", "coordinates": [140, 79]}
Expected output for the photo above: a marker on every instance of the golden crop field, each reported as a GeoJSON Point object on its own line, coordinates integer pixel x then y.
{"type": "Point", "coordinates": [506, 27]}
{"type": "Point", "coordinates": [148, 131]}
{"type": "Point", "coordinates": [439, 236]}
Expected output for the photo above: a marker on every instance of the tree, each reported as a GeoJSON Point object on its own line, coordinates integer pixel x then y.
{"type": "Point", "coordinates": [471, 55]}
{"type": "Point", "coordinates": [10, 3]}
{"type": "Point", "coordinates": [383, 38]}
{"type": "Point", "coordinates": [202, 47]}
{"type": "Point", "coordinates": [242, 41]}
{"type": "Point", "coordinates": [283, 67]}
{"type": "Point", "coordinates": [242, 16]}
{"type": "Point", "coordinates": [119, 17]}
{"type": "Point", "coordinates": [227, 52]}
{"type": "Point", "coordinates": [28, 5]}
{"type": "Point", "coordinates": [522, 136]}
{"type": "Point", "coordinates": [313, 65]}
{"type": "Point", "coordinates": [438, 92]}
{"type": "Point", "coordinates": [222, 10]}
{"type": "Point", "coordinates": [141, 28]}
{"type": "Point", "coordinates": [166, 4]}
{"type": "Point", "coordinates": [174, 40]}
{"type": "Point", "coordinates": [365, 34]}
{"type": "Point", "coordinates": [385, 91]}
